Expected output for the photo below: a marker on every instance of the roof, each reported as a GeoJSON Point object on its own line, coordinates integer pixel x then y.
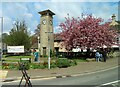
{"type": "Point", "coordinates": [113, 23]}
{"type": "Point", "coordinates": [35, 45]}
{"type": "Point", "coordinates": [46, 11]}
{"type": "Point", "coordinates": [57, 37]}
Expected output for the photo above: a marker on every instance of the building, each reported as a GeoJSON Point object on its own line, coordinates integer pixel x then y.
{"type": "Point", "coordinates": [49, 40]}
{"type": "Point", "coordinates": [114, 22]}
{"type": "Point", "coordinates": [116, 25]}
{"type": "Point", "coordinates": [58, 44]}
{"type": "Point", "coordinates": [46, 32]}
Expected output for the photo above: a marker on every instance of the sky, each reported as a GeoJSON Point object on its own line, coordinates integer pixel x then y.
{"type": "Point", "coordinates": [12, 10]}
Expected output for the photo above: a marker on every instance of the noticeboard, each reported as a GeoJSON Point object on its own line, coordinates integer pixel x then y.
{"type": "Point", "coordinates": [15, 49]}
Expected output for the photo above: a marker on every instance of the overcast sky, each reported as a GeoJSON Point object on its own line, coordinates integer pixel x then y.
{"type": "Point", "coordinates": [12, 10]}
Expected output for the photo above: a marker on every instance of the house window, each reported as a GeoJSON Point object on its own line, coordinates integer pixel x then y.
{"type": "Point", "coordinates": [118, 40]}
{"type": "Point", "coordinates": [44, 50]}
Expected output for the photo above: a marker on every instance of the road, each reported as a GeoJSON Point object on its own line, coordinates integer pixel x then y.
{"type": "Point", "coordinates": [95, 79]}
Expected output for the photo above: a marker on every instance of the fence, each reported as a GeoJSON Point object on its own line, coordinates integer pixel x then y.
{"type": "Point", "coordinates": [76, 55]}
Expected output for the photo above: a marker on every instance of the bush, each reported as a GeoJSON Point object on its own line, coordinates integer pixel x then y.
{"type": "Point", "coordinates": [73, 62]}
{"type": "Point", "coordinates": [114, 54]}
{"type": "Point", "coordinates": [45, 56]}
{"type": "Point", "coordinates": [10, 66]}
{"type": "Point", "coordinates": [52, 54]}
{"type": "Point", "coordinates": [53, 65]}
{"type": "Point", "coordinates": [5, 66]}
{"type": "Point", "coordinates": [34, 66]}
{"type": "Point", "coordinates": [45, 63]}
{"type": "Point", "coordinates": [26, 65]}
{"type": "Point", "coordinates": [37, 66]}
{"type": "Point", "coordinates": [14, 66]}
{"type": "Point", "coordinates": [63, 63]}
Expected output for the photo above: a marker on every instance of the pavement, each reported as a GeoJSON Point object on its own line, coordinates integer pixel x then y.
{"type": "Point", "coordinates": [81, 68]}
{"type": "Point", "coordinates": [3, 74]}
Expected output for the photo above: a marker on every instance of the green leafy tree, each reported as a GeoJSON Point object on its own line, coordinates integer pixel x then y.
{"type": "Point", "coordinates": [18, 35]}
{"type": "Point", "coordinates": [4, 35]}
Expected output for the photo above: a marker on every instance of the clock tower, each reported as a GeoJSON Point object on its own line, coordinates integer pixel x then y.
{"type": "Point", "coordinates": [46, 32]}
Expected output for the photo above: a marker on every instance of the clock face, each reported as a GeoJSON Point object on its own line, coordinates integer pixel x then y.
{"type": "Point", "coordinates": [44, 21]}
{"type": "Point", "coordinates": [51, 22]}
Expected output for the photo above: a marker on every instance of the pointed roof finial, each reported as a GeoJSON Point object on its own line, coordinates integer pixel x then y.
{"type": "Point", "coordinates": [113, 17]}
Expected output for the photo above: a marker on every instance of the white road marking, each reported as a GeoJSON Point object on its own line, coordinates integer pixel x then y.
{"type": "Point", "coordinates": [111, 82]}
{"type": "Point", "coordinates": [45, 78]}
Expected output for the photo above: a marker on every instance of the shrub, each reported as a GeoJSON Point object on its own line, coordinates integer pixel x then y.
{"type": "Point", "coordinates": [13, 66]}
{"type": "Point", "coordinates": [53, 65]}
{"type": "Point", "coordinates": [114, 54]}
{"type": "Point", "coordinates": [10, 66]}
{"type": "Point", "coordinates": [42, 66]}
{"type": "Point", "coordinates": [5, 66]}
{"type": "Point", "coordinates": [37, 66]}
{"type": "Point", "coordinates": [63, 63]}
{"type": "Point", "coordinates": [73, 62]}
{"type": "Point", "coordinates": [45, 64]}
{"type": "Point", "coordinates": [26, 65]}
{"type": "Point", "coordinates": [52, 54]}
{"type": "Point", "coordinates": [45, 56]}
{"type": "Point", "coordinates": [34, 66]}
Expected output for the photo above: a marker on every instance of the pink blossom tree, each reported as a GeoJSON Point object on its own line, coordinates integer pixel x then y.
{"type": "Point", "coordinates": [86, 32]}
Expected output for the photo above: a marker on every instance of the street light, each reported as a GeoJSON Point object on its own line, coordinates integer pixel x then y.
{"type": "Point", "coordinates": [49, 52]}
{"type": "Point", "coordinates": [49, 48]}
{"type": "Point", "coordinates": [1, 30]}
{"type": "Point", "coordinates": [38, 49]}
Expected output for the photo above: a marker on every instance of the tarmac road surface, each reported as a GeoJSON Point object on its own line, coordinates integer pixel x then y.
{"type": "Point", "coordinates": [95, 79]}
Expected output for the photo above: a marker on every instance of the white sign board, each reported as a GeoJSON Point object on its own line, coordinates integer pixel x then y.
{"type": "Point", "coordinates": [15, 49]}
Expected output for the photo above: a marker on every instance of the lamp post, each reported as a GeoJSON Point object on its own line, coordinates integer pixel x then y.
{"type": "Point", "coordinates": [38, 49]}
{"type": "Point", "coordinates": [1, 37]}
{"type": "Point", "coordinates": [49, 48]}
{"type": "Point", "coordinates": [49, 52]}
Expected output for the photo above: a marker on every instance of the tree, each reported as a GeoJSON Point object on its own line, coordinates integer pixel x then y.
{"type": "Point", "coordinates": [86, 32]}
{"type": "Point", "coordinates": [18, 35]}
{"type": "Point", "coordinates": [4, 35]}
{"type": "Point", "coordinates": [34, 38]}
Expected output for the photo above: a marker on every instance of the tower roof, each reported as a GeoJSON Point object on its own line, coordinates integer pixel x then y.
{"type": "Point", "coordinates": [113, 23]}
{"type": "Point", "coordinates": [46, 11]}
